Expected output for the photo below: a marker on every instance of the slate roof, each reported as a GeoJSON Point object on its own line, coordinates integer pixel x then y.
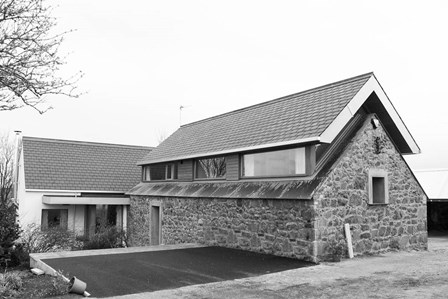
{"type": "Point", "coordinates": [51, 164]}
{"type": "Point", "coordinates": [288, 119]}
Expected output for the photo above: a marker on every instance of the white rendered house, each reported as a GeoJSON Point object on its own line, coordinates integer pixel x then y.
{"type": "Point", "coordinates": [74, 185]}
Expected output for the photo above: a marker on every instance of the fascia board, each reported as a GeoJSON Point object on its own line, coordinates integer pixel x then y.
{"type": "Point", "coordinates": [72, 192]}
{"type": "Point", "coordinates": [72, 200]}
{"type": "Point", "coordinates": [358, 100]}
{"type": "Point", "coordinates": [235, 150]}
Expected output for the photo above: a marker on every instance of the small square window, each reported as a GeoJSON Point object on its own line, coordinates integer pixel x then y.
{"type": "Point", "coordinates": [54, 218]}
{"type": "Point", "coordinates": [378, 187]}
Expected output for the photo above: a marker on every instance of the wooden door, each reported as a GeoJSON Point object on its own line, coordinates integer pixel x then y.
{"type": "Point", "coordinates": [155, 225]}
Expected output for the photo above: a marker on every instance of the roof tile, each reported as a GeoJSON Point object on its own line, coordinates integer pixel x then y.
{"type": "Point", "coordinates": [287, 119]}
{"type": "Point", "coordinates": [85, 166]}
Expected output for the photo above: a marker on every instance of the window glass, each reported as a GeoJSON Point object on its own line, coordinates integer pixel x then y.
{"type": "Point", "coordinates": [211, 168]}
{"type": "Point", "coordinates": [54, 218]}
{"type": "Point", "coordinates": [146, 173]}
{"type": "Point", "coordinates": [378, 190]}
{"type": "Point", "coordinates": [169, 174]}
{"type": "Point", "coordinates": [159, 172]}
{"type": "Point", "coordinates": [275, 163]}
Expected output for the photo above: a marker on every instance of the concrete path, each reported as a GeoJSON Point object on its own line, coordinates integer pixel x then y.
{"type": "Point", "coordinates": [415, 274]}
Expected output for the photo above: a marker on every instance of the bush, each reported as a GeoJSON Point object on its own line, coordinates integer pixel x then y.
{"type": "Point", "coordinates": [10, 284]}
{"type": "Point", "coordinates": [9, 232]}
{"type": "Point", "coordinates": [107, 236]}
{"type": "Point", "coordinates": [35, 240]}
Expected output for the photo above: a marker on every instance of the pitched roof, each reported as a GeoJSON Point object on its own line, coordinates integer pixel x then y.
{"type": "Point", "coordinates": [51, 164]}
{"type": "Point", "coordinates": [434, 182]}
{"type": "Point", "coordinates": [315, 115]}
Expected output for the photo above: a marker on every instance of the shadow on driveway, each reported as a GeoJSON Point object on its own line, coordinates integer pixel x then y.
{"type": "Point", "coordinates": [128, 273]}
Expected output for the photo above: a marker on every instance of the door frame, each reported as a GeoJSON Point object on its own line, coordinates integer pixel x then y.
{"type": "Point", "coordinates": [155, 206]}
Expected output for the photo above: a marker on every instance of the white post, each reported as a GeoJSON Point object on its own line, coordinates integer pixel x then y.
{"type": "Point", "coordinates": [349, 240]}
{"type": "Point", "coordinates": [125, 217]}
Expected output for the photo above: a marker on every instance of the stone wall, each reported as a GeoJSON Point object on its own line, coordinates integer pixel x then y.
{"type": "Point", "coordinates": [280, 227]}
{"type": "Point", "coordinates": [343, 198]}
{"type": "Point", "coordinates": [301, 229]}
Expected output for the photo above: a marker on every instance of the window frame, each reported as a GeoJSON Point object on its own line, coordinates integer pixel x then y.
{"type": "Point", "coordinates": [306, 165]}
{"type": "Point", "coordinates": [146, 172]}
{"type": "Point", "coordinates": [195, 169]}
{"type": "Point", "coordinates": [63, 219]}
{"type": "Point", "coordinates": [378, 174]}
{"type": "Point", "coordinates": [173, 172]}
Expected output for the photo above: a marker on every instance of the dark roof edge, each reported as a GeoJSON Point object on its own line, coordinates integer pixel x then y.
{"type": "Point", "coordinates": [323, 87]}
{"type": "Point", "coordinates": [85, 143]}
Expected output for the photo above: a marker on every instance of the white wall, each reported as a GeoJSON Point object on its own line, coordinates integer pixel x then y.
{"type": "Point", "coordinates": [30, 205]}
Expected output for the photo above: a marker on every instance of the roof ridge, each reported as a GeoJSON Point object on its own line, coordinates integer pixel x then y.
{"type": "Point", "coordinates": [51, 140]}
{"type": "Point", "coordinates": [314, 89]}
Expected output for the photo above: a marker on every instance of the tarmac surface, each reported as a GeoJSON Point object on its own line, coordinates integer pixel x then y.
{"type": "Point", "coordinates": [137, 272]}
{"type": "Point", "coordinates": [395, 274]}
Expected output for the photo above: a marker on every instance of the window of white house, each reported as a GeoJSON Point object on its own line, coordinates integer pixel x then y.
{"type": "Point", "coordinates": [288, 162]}
{"type": "Point", "coordinates": [54, 218]}
{"type": "Point", "coordinates": [160, 172]}
{"type": "Point", "coordinates": [210, 168]}
{"type": "Point", "coordinates": [378, 187]}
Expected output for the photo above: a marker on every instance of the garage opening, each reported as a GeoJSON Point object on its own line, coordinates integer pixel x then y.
{"type": "Point", "coordinates": [438, 217]}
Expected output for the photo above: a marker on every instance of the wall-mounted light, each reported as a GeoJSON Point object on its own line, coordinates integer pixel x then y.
{"type": "Point", "coordinates": [375, 123]}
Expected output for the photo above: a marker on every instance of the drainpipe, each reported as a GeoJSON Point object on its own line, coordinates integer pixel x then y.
{"type": "Point", "coordinates": [16, 166]}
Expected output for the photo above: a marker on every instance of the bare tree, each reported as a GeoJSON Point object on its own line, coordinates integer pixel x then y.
{"type": "Point", "coordinates": [213, 167]}
{"type": "Point", "coordinates": [161, 136]}
{"type": "Point", "coordinates": [29, 59]}
{"type": "Point", "coordinates": [6, 168]}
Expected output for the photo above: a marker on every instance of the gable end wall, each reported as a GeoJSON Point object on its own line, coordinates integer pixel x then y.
{"type": "Point", "coordinates": [343, 198]}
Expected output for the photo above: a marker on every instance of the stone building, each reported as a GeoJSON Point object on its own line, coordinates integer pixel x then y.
{"type": "Point", "coordinates": [284, 176]}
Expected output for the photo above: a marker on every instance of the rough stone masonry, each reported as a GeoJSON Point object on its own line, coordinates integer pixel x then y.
{"type": "Point", "coordinates": [304, 229]}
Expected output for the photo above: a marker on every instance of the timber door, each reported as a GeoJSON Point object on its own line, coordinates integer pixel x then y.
{"type": "Point", "coordinates": [155, 225]}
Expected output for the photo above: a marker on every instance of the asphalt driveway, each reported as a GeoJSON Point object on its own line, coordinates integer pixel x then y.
{"type": "Point", "coordinates": [128, 273]}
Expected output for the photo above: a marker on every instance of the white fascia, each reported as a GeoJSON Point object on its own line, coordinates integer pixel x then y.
{"type": "Point", "coordinates": [70, 192]}
{"type": "Point", "coordinates": [73, 200]}
{"type": "Point", "coordinates": [358, 100]}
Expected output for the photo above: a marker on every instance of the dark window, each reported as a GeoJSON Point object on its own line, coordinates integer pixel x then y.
{"type": "Point", "coordinates": [211, 168]}
{"type": "Point", "coordinates": [378, 187]}
{"type": "Point", "coordinates": [159, 172]}
{"type": "Point", "coordinates": [54, 218]}
{"type": "Point", "coordinates": [288, 162]}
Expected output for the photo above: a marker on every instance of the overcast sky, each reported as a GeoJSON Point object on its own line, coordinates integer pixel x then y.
{"type": "Point", "coordinates": [144, 59]}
